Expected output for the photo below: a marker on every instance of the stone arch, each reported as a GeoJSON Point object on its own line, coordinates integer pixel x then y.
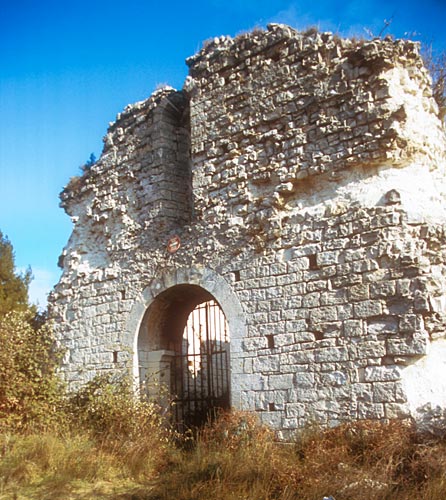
{"type": "Point", "coordinates": [198, 284]}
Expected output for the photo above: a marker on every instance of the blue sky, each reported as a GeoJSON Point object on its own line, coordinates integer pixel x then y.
{"type": "Point", "coordinates": [67, 69]}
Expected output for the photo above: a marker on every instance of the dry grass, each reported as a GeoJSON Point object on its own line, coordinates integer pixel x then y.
{"type": "Point", "coordinates": [237, 459]}
{"type": "Point", "coordinates": [45, 466]}
{"type": "Point", "coordinates": [233, 458]}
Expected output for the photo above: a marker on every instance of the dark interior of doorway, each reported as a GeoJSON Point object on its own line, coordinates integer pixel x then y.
{"type": "Point", "coordinates": [187, 321]}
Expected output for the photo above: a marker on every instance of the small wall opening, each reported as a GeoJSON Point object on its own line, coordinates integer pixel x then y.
{"type": "Point", "coordinates": [183, 354]}
{"type": "Point", "coordinates": [312, 262]}
{"type": "Point", "coordinates": [270, 341]}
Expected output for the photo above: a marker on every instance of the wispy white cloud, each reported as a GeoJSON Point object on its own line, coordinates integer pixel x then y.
{"type": "Point", "coordinates": [347, 18]}
{"type": "Point", "coordinates": [303, 15]}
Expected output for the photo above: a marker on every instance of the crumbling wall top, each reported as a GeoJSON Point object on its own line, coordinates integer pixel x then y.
{"type": "Point", "coordinates": [225, 51]}
{"type": "Point", "coordinates": [138, 121]}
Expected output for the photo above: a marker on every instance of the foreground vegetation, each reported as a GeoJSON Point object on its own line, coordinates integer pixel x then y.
{"type": "Point", "coordinates": [233, 458]}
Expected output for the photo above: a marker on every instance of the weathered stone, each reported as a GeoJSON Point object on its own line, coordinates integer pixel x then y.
{"type": "Point", "coordinates": [369, 349]}
{"type": "Point", "coordinates": [382, 324]}
{"type": "Point", "coordinates": [384, 392]}
{"type": "Point", "coordinates": [415, 345]}
{"type": "Point", "coordinates": [331, 354]}
{"type": "Point", "coordinates": [282, 381]}
{"type": "Point", "coordinates": [382, 373]}
{"type": "Point", "coordinates": [373, 411]}
{"type": "Point", "coordinates": [334, 378]}
{"type": "Point", "coordinates": [304, 379]}
{"type": "Point", "coordinates": [358, 292]}
{"type": "Point", "coordinates": [354, 328]}
{"type": "Point", "coordinates": [303, 194]}
{"type": "Point", "coordinates": [367, 308]}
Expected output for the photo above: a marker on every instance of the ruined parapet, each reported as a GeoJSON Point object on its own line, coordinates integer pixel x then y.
{"type": "Point", "coordinates": [302, 177]}
{"type": "Point", "coordinates": [142, 179]}
{"type": "Point", "coordinates": [275, 110]}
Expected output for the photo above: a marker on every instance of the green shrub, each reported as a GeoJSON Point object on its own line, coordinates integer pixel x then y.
{"type": "Point", "coordinates": [30, 391]}
{"type": "Point", "coordinates": [108, 407]}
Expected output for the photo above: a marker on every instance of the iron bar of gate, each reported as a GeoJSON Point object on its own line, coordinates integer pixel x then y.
{"type": "Point", "coordinates": [213, 313]}
{"type": "Point", "coordinates": [202, 363]}
{"type": "Point", "coordinates": [194, 350]}
{"type": "Point", "coordinates": [222, 347]}
{"type": "Point", "coordinates": [220, 358]}
{"type": "Point", "coordinates": [208, 352]}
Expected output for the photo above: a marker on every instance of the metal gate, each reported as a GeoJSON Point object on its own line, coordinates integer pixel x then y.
{"type": "Point", "coordinates": [200, 371]}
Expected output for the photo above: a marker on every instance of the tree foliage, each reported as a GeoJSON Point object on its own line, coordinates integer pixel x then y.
{"type": "Point", "coordinates": [436, 64]}
{"type": "Point", "coordinates": [29, 387]}
{"type": "Point", "coordinates": [30, 391]}
{"type": "Point", "coordinates": [89, 163]}
{"type": "Point", "coordinates": [13, 286]}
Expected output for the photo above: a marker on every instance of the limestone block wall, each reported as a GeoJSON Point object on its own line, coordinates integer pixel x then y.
{"type": "Point", "coordinates": [272, 110]}
{"type": "Point", "coordinates": [304, 177]}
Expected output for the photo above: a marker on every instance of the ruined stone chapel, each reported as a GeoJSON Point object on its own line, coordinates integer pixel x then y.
{"type": "Point", "coordinates": [270, 238]}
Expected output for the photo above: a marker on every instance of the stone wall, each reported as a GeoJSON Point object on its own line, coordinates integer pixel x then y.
{"type": "Point", "coordinates": [304, 176]}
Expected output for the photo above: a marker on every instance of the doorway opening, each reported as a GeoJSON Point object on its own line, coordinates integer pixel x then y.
{"type": "Point", "coordinates": [184, 354]}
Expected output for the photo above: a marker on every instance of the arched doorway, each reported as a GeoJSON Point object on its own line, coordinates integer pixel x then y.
{"type": "Point", "coordinates": [183, 353]}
